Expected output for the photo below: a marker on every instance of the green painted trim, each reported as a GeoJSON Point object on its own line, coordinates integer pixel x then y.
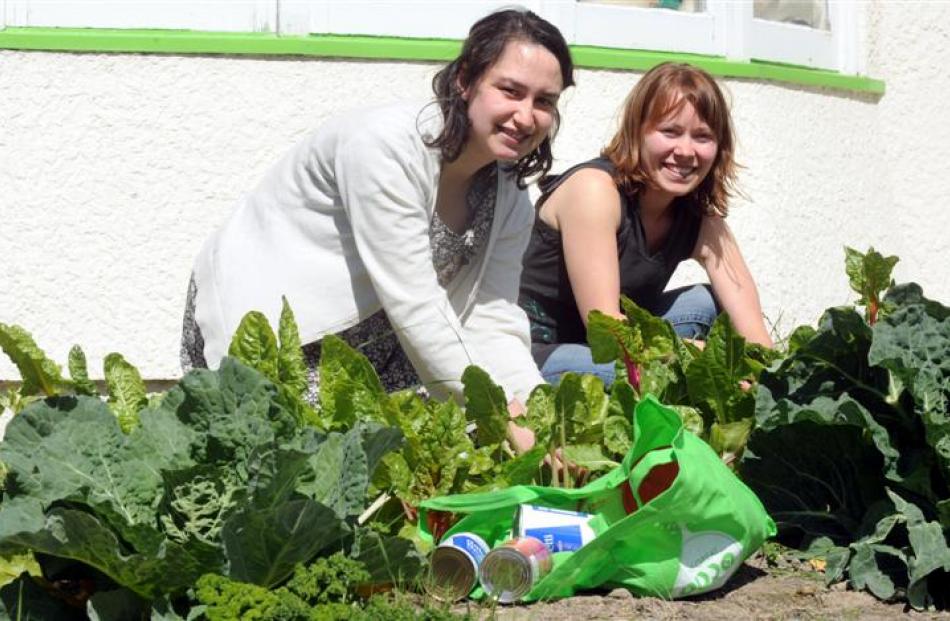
{"type": "Point", "coordinates": [394, 48]}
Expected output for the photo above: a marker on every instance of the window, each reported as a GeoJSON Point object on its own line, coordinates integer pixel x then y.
{"type": "Point", "coordinates": [812, 33]}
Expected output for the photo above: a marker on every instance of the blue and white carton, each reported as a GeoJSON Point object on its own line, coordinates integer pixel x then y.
{"type": "Point", "coordinates": [559, 529]}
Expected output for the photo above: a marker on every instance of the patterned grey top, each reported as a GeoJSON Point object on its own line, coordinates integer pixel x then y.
{"type": "Point", "coordinates": [374, 336]}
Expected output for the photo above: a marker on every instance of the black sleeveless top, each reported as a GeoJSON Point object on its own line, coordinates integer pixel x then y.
{"type": "Point", "coordinates": [546, 294]}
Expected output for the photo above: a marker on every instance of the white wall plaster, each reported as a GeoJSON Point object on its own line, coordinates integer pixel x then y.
{"type": "Point", "coordinates": [114, 168]}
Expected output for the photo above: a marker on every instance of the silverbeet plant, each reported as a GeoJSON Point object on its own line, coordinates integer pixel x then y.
{"type": "Point", "coordinates": [711, 388]}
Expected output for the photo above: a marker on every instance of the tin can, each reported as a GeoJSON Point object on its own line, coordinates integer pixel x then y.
{"type": "Point", "coordinates": [453, 568]}
{"type": "Point", "coordinates": [512, 569]}
{"type": "Point", "coordinates": [560, 530]}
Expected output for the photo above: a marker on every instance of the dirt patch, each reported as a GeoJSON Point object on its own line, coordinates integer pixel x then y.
{"type": "Point", "coordinates": [756, 591]}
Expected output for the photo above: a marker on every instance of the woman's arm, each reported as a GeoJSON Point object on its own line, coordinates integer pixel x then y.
{"type": "Point", "coordinates": [386, 181]}
{"type": "Point", "coordinates": [718, 253]}
{"type": "Point", "coordinates": [586, 211]}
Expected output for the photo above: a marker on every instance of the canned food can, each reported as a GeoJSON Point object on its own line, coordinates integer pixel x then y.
{"type": "Point", "coordinates": [453, 568]}
{"type": "Point", "coordinates": [510, 571]}
{"type": "Point", "coordinates": [560, 530]}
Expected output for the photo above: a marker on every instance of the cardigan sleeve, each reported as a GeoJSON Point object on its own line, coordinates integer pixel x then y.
{"type": "Point", "coordinates": [496, 325]}
{"type": "Point", "coordinates": [386, 189]}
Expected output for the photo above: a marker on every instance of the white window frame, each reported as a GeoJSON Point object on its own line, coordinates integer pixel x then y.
{"type": "Point", "coordinates": [208, 15]}
{"type": "Point", "coordinates": [725, 28]}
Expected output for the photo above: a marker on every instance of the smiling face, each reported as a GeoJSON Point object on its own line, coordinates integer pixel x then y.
{"type": "Point", "coordinates": [513, 106]}
{"type": "Point", "coordinates": [678, 152]}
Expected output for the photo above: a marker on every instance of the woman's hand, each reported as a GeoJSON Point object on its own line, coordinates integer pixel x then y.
{"type": "Point", "coordinates": [521, 438]}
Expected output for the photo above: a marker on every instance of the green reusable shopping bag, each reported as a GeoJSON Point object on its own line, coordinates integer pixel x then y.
{"type": "Point", "coordinates": [688, 538]}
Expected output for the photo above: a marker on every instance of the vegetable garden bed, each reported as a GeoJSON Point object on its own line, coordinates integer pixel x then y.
{"type": "Point", "coordinates": [229, 496]}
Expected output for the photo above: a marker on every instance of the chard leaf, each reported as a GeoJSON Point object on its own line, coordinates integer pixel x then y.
{"type": "Point", "coordinates": [729, 439]}
{"type": "Point", "coordinates": [656, 334]}
{"type": "Point", "coordinates": [693, 421]}
{"type": "Point", "coordinates": [127, 394]}
{"type": "Point", "coordinates": [40, 375]}
{"type": "Point", "coordinates": [580, 409]}
{"type": "Point", "coordinates": [539, 414]}
{"type": "Point", "coordinates": [485, 403]}
{"type": "Point", "coordinates": [255, 344]}
{"type": "Point", "coordinates": [618, 428]}
{"type": "Point", "coordinates": [291, 367]}
{"type": "Point", "coordinates": [643, 337]}
{"type": "Point", "coordinates": [12, 565]}
{"type": "Point", "coordinates": [350, 389]}
{"type": "Point", "coordinates": [713, 379]}
{"type": "Point", "coordinates": [869, 275]}
{"type": "Point", "coordinates": [589, 456]}
{"type": "Point", "coordinates": [79, 374]}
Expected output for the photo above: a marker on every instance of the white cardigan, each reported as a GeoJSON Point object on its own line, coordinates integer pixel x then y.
{"type": "Point", "coordinates": [340, 226]}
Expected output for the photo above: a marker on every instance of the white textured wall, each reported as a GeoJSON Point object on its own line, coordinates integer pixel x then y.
{"type": "Point", "coordinates": [114, 168]}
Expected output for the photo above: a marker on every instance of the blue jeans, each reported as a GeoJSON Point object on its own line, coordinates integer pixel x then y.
{"type": "Point", "coordinates": [691, 310]}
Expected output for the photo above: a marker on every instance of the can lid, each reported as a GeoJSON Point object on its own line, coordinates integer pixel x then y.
{"type": "Point", "coordinates": [452, 574]}
{"type": "Point", "coordinates": [506, 575]}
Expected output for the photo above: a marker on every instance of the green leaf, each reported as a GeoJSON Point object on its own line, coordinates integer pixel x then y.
{"type": "Point", "coordinates": [589, 456]}
{"type": "Point", "coordinates": [127, 394]}
{"type": "Point", "coordinates": [40, 375]}
{"type": "Point", "coordinates": [291, 367]}
{"type": "Point", "coordinates": [730, 438]}
{"type": "Point", "coordinates": [263, 544]}
{"type": "Point", "coordinates": [713, 379]}
{"type": "Point", "coordinates": [486, 405]}
{"type": "Point", "coordinates": [71, 448]}
{"type": "Point", "coordinates": [930, 549]}
{"type": "Point", "coordinates": [869, 275]}
{"type": "Point", "coordinates": [913, 344]}
{"type": "Point", "coordinates": [693, 420]}
{"type": "Point", "coordinates": [389, 560]}
{"type": "Point", "coordinates": [255, 344]}
{"type": "Point", "coordinates": [81, 536]}
{"type": "Point", "coordinates": [800, 337]}
{"type": "Point", "coordinates": [350, 389]}
{"type": "Point", "coordinates": [539, 414]}
{"type": "Point", "coordinates": [12, 565]}
{"type": "Point", "coordinates": [116, 605]}
{"type": "Point", "coordinates": [24, 600]}
{"type": "Point", "coordinates": [78, 373]}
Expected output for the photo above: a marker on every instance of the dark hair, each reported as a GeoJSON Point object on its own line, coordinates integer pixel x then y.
{"type": "Point", "coordinates": [662, 91]}
{"type": "Point", "coordinates": [482, 48]}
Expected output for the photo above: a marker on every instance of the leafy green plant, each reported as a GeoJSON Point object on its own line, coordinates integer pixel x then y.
{"type": "Point", "coordinates": [869, 275]}
{"type": "Point", "coordinates": [851, 455]}
{"type": "Point", "coordinates": [712, 388]}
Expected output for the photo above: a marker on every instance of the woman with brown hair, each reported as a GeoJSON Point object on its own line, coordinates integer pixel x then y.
{"type": "Point", "coordinates": [401, 228]}
{"type": "Point", "coordinates": [621, 223]}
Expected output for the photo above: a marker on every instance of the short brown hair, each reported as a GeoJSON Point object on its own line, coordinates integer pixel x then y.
{"type": "Point", "coordinates": [663, 90]}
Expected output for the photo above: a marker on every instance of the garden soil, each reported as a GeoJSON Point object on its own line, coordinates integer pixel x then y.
{"type": "Point", "coordinates": [773, 589]}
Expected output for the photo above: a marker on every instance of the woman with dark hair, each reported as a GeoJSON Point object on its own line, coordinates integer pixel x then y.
{"type": "Point", "coordinates": [621, 223]}
{"type": "Point", "coordinates": [401, 228]}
